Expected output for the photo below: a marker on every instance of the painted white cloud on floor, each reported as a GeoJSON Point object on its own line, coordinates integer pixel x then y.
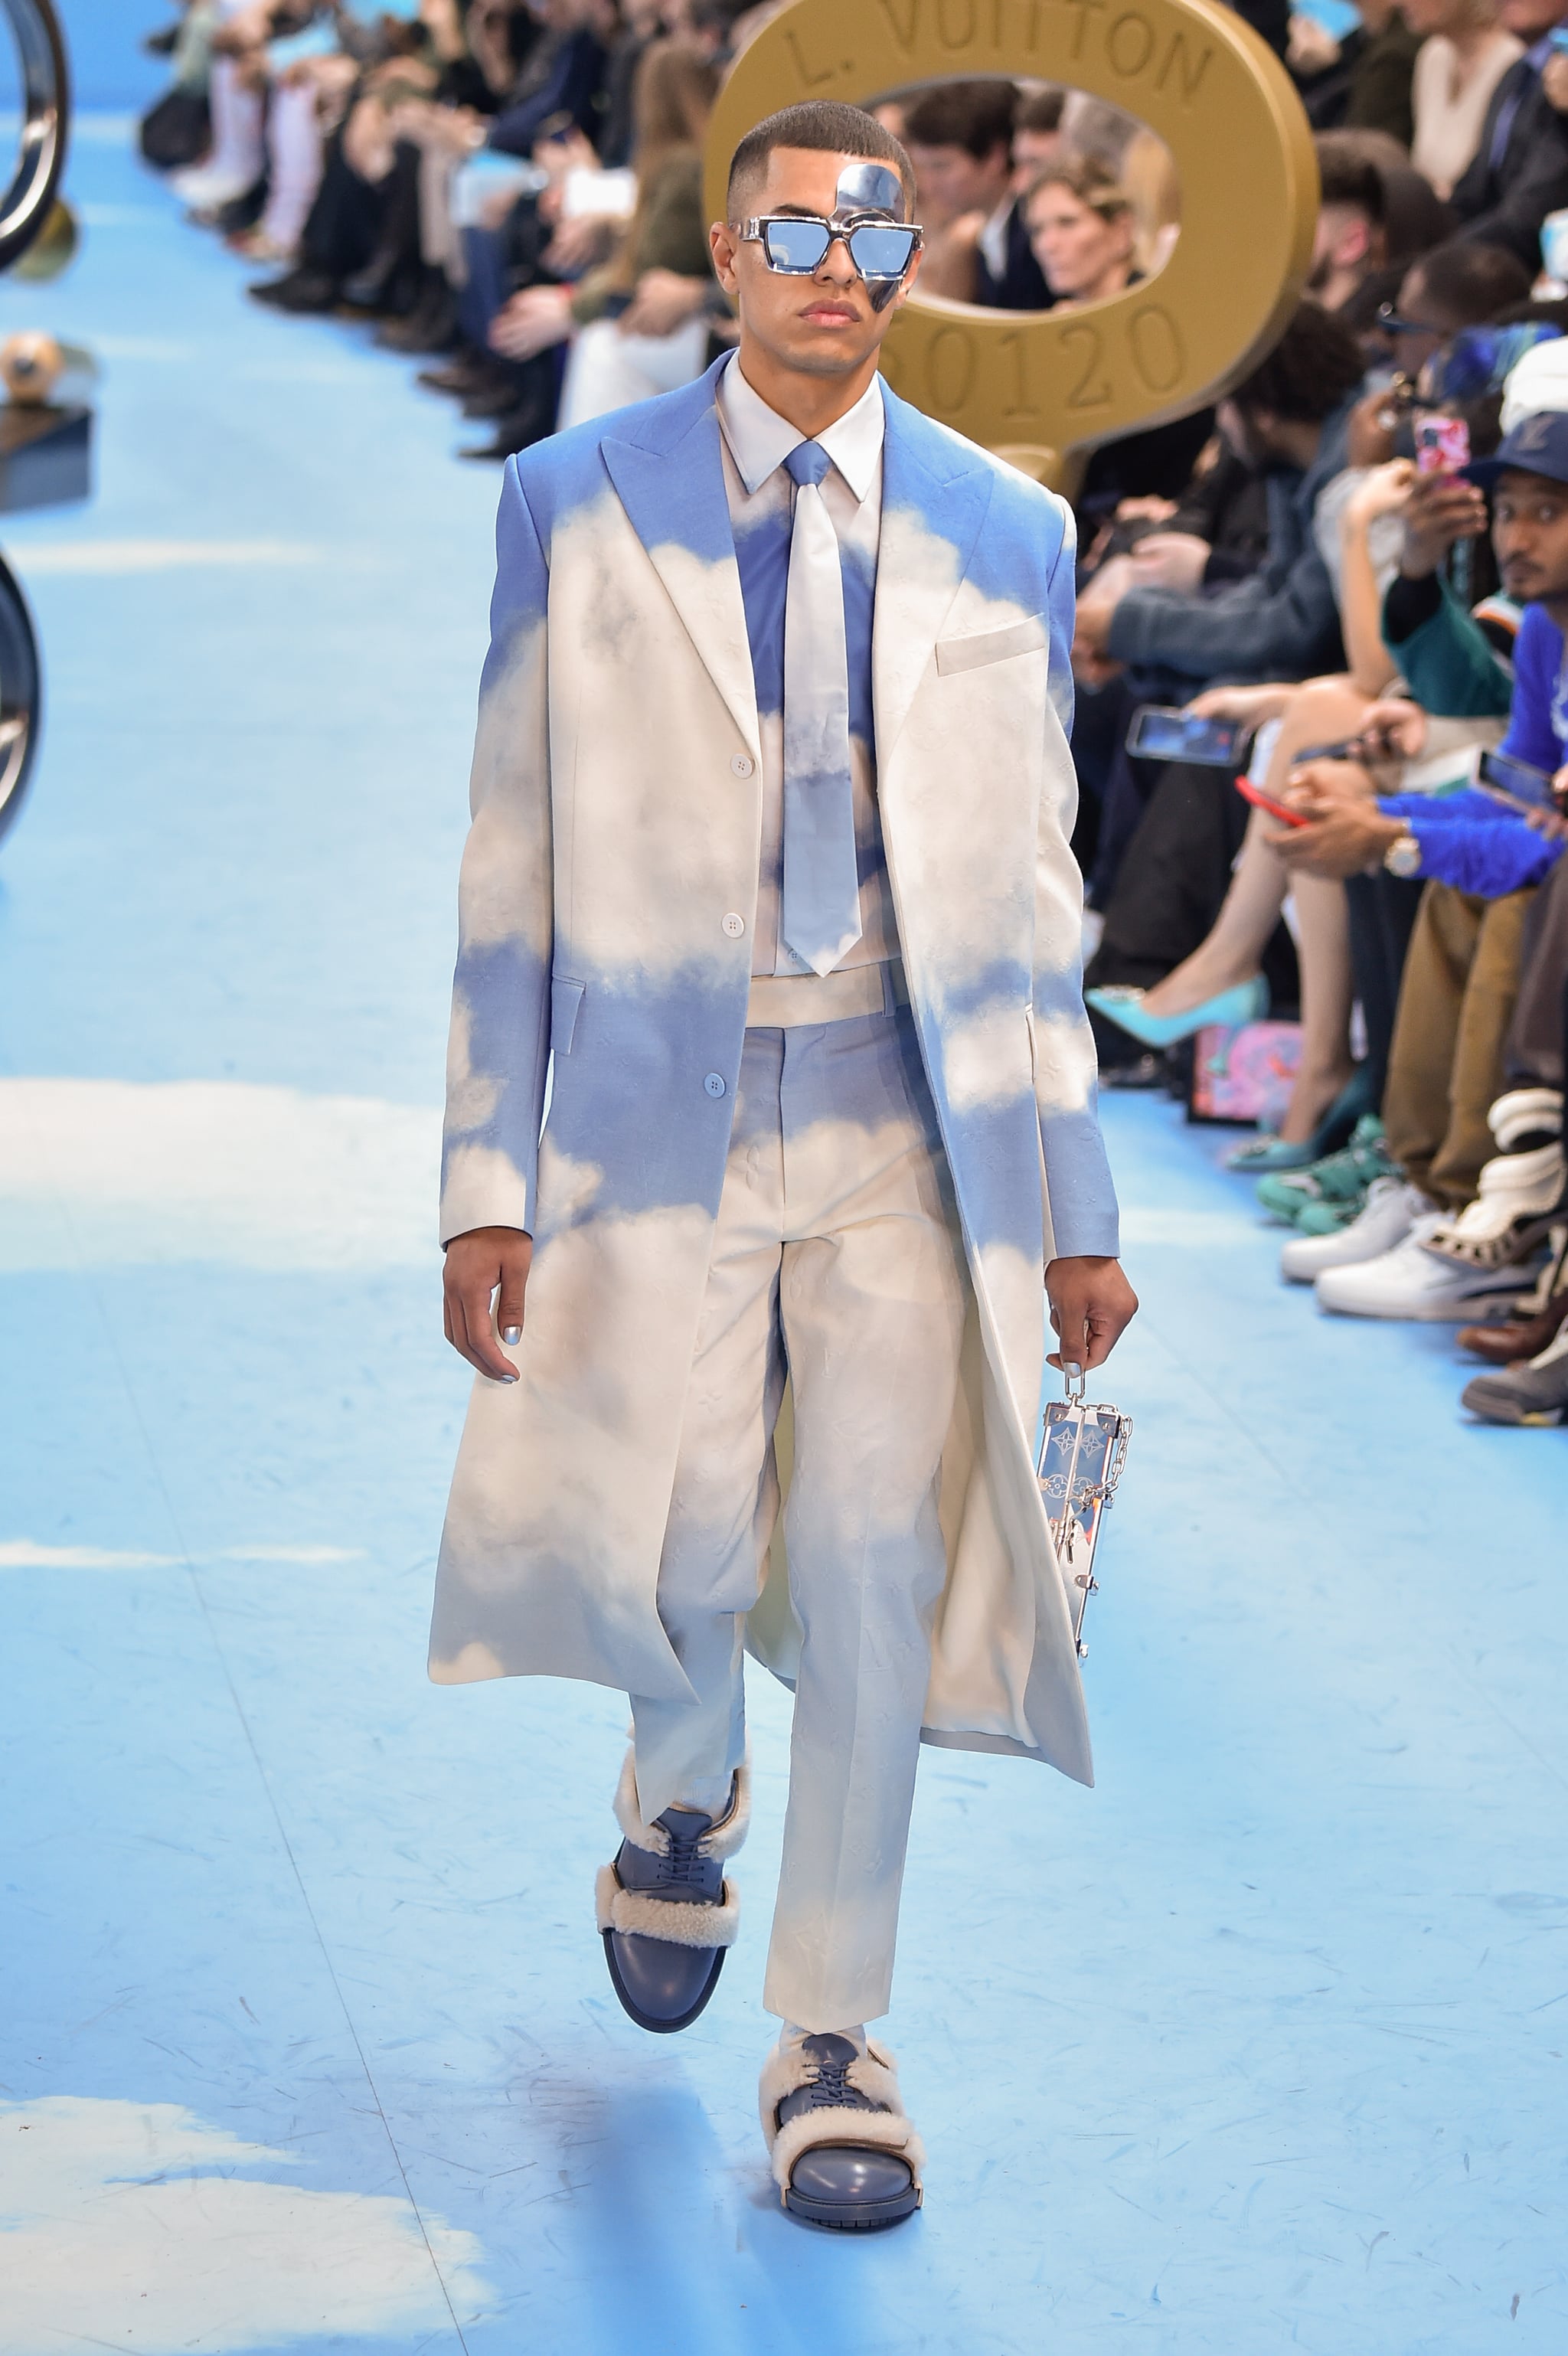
{"type": "Point", "coordinates": [127, 2226]}
{"type": "Point", "coordinates": [108, 1174]}
{"type": "Point", "coordinates": [27, 1554]}
{"type": "Point", "coordinates": [76, 558]}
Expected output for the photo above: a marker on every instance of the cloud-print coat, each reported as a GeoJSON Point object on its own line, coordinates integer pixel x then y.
{"type": "Point", "coordinates": [616, 820]}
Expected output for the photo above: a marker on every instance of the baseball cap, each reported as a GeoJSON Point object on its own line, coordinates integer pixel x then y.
{"type": "Point", "coordinates": [1537, 445]}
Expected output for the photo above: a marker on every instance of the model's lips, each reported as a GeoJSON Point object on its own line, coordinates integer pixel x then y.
{"type": "Point", "coordinates": [830, 315]}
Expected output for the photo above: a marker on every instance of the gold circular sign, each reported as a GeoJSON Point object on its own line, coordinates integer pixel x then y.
{"type": "Point", "coordinates": [1039, 387]}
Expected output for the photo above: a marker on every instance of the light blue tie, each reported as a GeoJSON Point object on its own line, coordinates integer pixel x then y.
{"type": "Point", "coordinates": [821, 912]}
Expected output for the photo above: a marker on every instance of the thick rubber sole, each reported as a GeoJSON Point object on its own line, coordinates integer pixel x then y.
{"type": "Point", "coordinates": [645, 2020]}
{"type": "Point", "coordinates": [843, 2217]}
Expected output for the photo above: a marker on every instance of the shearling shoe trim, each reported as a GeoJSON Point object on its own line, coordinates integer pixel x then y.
{"type": "Point", "coordinates": [723, 1840]}
{"type": "Point", "coordinates": [680, 1922]}
{"type": "Point", "coordinates": [875, 2074]}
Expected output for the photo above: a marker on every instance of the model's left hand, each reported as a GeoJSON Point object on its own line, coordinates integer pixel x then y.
{"type": "Point", "coordinates": [1091, 1305]}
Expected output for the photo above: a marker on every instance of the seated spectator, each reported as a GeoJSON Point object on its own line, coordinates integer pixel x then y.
{"type": "Point", "coordinates": [563, 81]}
{"type": "Point", "coordinates": [1083, 232]}
{"type": "Point", "coordinates": [639, 324]}
{"type": "Point", "coordinates": [960, 141]}
{"type": "Point", "coordinates": [1462, 973]}
{"type": "Point", "coordinates": [1040, 142]}
{"type": "Point", "coordinates": [1463, 55]}
{"type": "Point", "coordinates": [1289, 418]}
{"type": "Point", "coordinates": [1462, 283]}
{"type": "Point", "coordinates": [1519, 173]}
{"type": "Point", "coordinates": [1361, 82]}
{"type": "Point", "coordinates": [1349, 243]}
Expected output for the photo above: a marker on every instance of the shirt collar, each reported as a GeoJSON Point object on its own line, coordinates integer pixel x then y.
{"type": "Point", "coordinates": [760, 439]}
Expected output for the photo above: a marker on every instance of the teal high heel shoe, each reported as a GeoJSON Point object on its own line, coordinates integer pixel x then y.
{"type": "Point", "coordinates": [1244, 1001]}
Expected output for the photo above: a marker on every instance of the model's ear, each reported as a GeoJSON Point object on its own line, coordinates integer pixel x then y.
{"type": "Point", "coordinates": [724, 244]}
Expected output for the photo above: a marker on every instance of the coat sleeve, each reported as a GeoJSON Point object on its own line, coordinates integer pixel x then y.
{"type": "Point", "coordinates": [1077, 1175]}
{"type": "Point", "coordinates": [500, 1001]}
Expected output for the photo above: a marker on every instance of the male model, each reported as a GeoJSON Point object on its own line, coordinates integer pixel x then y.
{"type": "Point", "coordinates": [769, 865]}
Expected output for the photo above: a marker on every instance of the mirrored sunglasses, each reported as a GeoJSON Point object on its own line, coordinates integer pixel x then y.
{"type": "Point", "coordinates": [796, 246]}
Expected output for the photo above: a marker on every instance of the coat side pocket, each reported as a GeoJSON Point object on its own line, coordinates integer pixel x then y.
{"type": "Point", "coordinates": [565, 1001]}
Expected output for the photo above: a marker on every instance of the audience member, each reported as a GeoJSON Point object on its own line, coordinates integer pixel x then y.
{"type": "Point", "coordinates": [1463, 55]}
{"type": "Point", "coordinates": [1361, 82]}
{"type": "Point", "coordinates": [1349, 242]}
{"type": "Point", "coordinates": [960, 138]}
{"type": "Point", "coordinates": [1519, 173]}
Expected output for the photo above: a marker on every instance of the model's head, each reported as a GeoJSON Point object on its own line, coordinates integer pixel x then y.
{"type": "Point", "coordinates": [836, 173]}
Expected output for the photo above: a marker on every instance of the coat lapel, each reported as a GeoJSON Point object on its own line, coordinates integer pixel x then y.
{"type": "Point", "coordinates": [669, 477]}
{"type": "Point", "coordinates": [936, 493]}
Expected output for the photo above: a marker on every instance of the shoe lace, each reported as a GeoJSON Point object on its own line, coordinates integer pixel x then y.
{"type": "Point", "coordinates": [684, 1862]}
{"type": "Point", "coordinates": [828, 2088]}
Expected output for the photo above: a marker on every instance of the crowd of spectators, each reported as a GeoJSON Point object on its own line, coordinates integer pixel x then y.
{"type": "Point", "coordinates": [1357, 565]}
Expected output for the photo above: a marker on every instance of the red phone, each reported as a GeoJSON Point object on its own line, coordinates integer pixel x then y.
{"type": "Point", "coordinates": [1260, 800]}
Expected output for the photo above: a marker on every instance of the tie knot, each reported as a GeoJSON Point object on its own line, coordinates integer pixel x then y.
{"type": "Point", "coordinates": [808, 463]}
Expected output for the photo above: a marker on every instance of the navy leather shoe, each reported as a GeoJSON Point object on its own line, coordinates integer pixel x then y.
{"type": "Point", "coordinates": [667, 1912]}
{"type": "Point", "coordinates": [845, 2155]}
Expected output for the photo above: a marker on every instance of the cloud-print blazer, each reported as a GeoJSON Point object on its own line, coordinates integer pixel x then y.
{"type": "Point", "coordinates": [616, 822]}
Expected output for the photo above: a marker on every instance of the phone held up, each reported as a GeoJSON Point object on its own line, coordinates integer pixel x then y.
{"type": "Point", "coordinates": [1518, 783]}
{"type": "Point", "coordinates": [1442, 446]}
{"type": "Point", "coordinates": [1163, 732]}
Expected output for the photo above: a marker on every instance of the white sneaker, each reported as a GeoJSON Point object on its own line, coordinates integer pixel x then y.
{"type": "Point", "coordinates": [1392, 1208]}
{"type": "Point", "coordinates": [1411, 1281]}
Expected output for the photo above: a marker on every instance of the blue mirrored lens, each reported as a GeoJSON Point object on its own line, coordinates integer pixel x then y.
{"type": "Point", "coordinates": [796, 245]}
{"type": "Point", "coordinates": [881, 252]}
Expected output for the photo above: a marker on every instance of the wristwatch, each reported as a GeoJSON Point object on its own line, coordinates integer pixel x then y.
{"type": "Point", "coordinates": [1402, 857]}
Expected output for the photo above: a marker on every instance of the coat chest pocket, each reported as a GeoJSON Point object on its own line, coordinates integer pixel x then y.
{"type": "Point", "coordinates": [565, 1002]}
{"type": "Point", "coordinates": [992, 645]}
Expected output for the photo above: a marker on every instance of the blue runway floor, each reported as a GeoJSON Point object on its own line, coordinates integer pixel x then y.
{"type": "Point", "coordinates": [306, 2039]}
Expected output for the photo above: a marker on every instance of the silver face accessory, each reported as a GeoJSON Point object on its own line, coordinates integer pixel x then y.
{"type": "Point", "coordinates": [868, 215]}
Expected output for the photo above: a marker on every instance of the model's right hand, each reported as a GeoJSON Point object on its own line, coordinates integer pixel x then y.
{"type": "Point", "coordinates": [487, 1264]}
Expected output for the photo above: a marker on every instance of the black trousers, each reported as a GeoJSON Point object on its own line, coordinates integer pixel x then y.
{"type": "Point", "coordinates": [1382, 916]}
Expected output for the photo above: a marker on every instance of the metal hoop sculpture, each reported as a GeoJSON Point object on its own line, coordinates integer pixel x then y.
{"type": "Point", "coordinates": [21, 701]}
{"type": "Point", "coordinates": [46, 113]}
{"type": "Point", "coordinates": [25, 208]}
{"type": "Point", "coordinates": [1044, 388]}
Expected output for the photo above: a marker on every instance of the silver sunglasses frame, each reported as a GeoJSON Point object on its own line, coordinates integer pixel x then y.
{"type": "Point", "coordinates": [752, 232]}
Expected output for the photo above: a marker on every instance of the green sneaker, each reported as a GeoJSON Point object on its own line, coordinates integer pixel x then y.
{"type": "Point", "coordinates": [1340, 1178]}
{"type": "Point", "coordinates": [1328, 1218]}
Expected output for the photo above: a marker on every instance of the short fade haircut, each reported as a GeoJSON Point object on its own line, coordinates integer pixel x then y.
{"type": "Point", "coordinates": [1312, 368]}
{"type": "Point", "coordinates": [1470, 281]}
{"type": "Point", "coordinates": [824, 127]}
{"type": "Point", "coordinates": [1349, 176]}
{"type": "Point", "coordinates": [975, 115]}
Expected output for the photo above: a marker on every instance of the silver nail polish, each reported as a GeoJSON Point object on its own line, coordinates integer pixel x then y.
{"type": "Point", "coordinates": [512, 1333]}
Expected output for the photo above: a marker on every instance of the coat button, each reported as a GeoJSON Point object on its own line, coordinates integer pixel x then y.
{"type": "Point", "coordinates": [714, 1084]}
{"type": "Point", "coordinates": [742, 763]}
{"type": "Point", "coordinates": [733, 924]}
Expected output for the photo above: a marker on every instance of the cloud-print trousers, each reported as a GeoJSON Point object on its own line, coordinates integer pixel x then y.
{"type": "Point", "coordinates": [837, 1259]}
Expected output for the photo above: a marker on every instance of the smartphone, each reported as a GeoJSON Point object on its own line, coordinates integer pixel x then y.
{"type": "Point", "coordinates": [1260, 800]}
{"type": "Point", "coordinates": [1442, 446]}
{"type": "Point", "coordinates": [1517, 781]}
{"type": "Point", "coordinates": [1162, 731]}
{"type": "Point", "coordinates": [1558, 37]}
